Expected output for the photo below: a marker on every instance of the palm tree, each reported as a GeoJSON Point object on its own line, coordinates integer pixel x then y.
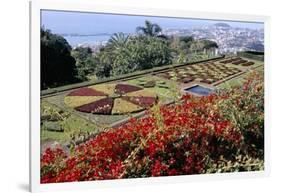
{"type": "Point", "coordinates": [118, 40]}
{"type": "Point", "coordinates": [150, 29]}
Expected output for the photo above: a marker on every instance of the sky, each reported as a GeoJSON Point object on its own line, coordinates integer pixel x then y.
{"type": "Point", "coordinates": [64, 22]}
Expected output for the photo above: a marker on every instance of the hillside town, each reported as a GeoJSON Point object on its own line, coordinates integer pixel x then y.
{"type": "Point", "coordinates": [229, 39]}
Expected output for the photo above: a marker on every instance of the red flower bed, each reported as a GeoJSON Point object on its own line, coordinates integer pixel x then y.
{"type": "Point", "coordinates": [125, 88]}
{"type": "Point", "coordinates": [239, 62]}
{"type": "Point", "coordinates": [141, 101]}
{"type": "Point", "coordinates": [248, 64]}
{"type": "Point", "coordinates": [188, 138]}
{"type": "Point", "coordinates": [85, 91]}
{"type": "Point", "coordinates": [103, 106]}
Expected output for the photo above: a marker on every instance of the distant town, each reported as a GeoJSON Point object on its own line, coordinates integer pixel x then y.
{"type": "Point", "coordinates": [229, 39]}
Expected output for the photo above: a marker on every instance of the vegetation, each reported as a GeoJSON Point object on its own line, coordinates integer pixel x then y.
{"type": "Point", "coordinates": [252, 55]}
{"type": "Point", "coordinates": [62, 126]}
{"type": "Point", "coordinates": [129, 54]}
{"type": "Point", "coordinates": [177, 135]}
{"type": "Point", "coordinates": [187, 49]}
{"type": "Point", "coordinates": [150, 29]}
{"type": "Point", "coordinates": [222, 132]}
{"type": "Point", "coordinates": [85, 62]}
{"type": "Point", "coordinates": [122, 54]}
{"type": "Point", "coordinates": [57, 64]}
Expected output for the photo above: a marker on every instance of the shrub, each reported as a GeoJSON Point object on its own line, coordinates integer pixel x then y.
{"type": "Point", "coordinates": [244, 107]}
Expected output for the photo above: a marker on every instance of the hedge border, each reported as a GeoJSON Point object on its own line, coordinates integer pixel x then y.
{"type": "Point", "coordinates": [252, 55]}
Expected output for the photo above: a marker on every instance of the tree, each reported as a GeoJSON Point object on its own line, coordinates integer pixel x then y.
{"type": "Point", "coordinates": [208, 44]}
{"type": "Point", "coordinates": [150, 29]}
{"type": "Point", "coordinates": [118, 40]}
{"type": "Point", "coordinates": [104, 61]}
{"type": "Point", "coordinates": [196, 46]}
{"type": "Point", "coordinates": [57, 64]}
{"type": "Point", "coordinates": [85, 62]}
{"type": "Point", "coordinates": [186, 39]}
{"type": "Point", "coordinates": [139, 53]}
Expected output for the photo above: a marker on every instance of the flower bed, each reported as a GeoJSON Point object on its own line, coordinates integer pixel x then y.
{"type": "Point", "coordinates": [216, 133]}
{"type": "Point", "coordinates": [102, 106]}
{"type": "Point", "coordinates": [142, 101]}
{"type": "Point", "coordinates": [230, 60]}
{"type": "Point", "coordinates": [239, 62]}
{"type": "Point", "coordinates": [126, 88]}
{"type": "Point", "coordinates": [248, 64]}
{"type": "Point", "coordinates": [206, 72]}
{"type": "Point", "coordinates": [123, 106]}
{"type": "Point", "coordinates": [86, 92]}
{"type": "Point", "coordinates": [77, 101]}
{"type": "Point", "coordinates": [109, 99]}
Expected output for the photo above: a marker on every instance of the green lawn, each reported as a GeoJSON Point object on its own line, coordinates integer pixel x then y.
{"type": "Point", "coordinates": [165, 89]}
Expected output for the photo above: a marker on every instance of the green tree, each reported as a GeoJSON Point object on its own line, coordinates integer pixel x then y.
{"type": "Point", "coordinates": [57, 65]}
{"type": "Point", "coordinates": [208, 44]}
{"type": "Point", "coordinates": [118, 40]}
{"type": "Point", "coordinates": [104, 63]}
{"type": "Point", "coordinates": [139, 53]}
{"type": "Point", "coordinates": [84, 61]}
{"type": "Point", "coordinates": [149, 29]}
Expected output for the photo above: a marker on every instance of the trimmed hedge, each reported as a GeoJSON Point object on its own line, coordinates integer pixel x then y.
{"type": "Point", "coordinates": [252, 55]}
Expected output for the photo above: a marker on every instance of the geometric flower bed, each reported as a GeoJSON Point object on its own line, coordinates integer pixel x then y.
{"type": "Point", "coordinates": [217, 133]}
{"type": "Point", "coordinates": [230, 60]}
{"type": "Point", "coordinates": [110, 99]}
{"type": "Point", "coordinates": [248, 64]}
{"type": "Point", "coordinates": [207, 72]}
{"type": "Point", "coordinates": [237, 61]}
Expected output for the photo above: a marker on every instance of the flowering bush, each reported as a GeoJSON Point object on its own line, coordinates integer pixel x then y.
{"type": "Point", "coordinates": [244, 107]}
{"type": "Point", "coordinates": [193, 137]}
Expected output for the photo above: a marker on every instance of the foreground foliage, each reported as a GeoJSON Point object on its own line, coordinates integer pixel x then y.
{"type": "Point", "coordinates": [57, 65]}
{"type": "Point", "coordinates": [217, 133]}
